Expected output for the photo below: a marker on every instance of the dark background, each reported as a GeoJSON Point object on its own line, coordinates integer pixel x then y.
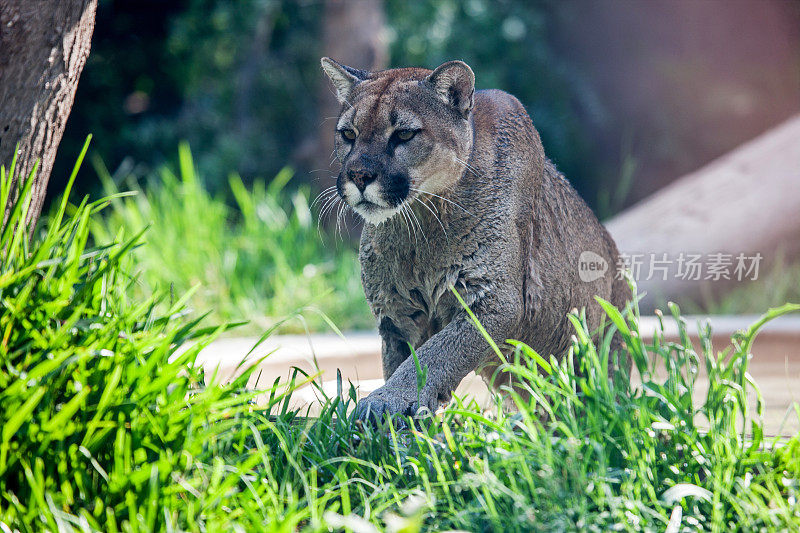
{"type": "Point", "coordinates": [627, 94]}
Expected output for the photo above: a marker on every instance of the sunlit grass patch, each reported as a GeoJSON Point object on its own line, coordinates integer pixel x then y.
{"type": "Point", "coordinates": [259, 260]}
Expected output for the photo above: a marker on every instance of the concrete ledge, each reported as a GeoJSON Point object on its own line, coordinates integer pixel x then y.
{"type": "Point", "coordinates": [775, 365]}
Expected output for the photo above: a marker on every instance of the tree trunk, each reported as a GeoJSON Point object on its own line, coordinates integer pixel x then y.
{"type": "Point", "coordinates": [746, 203]}
{"type": "Point", "coordinates": [43, 47]}
{"type": "Point", "coordinates": [353, 33]}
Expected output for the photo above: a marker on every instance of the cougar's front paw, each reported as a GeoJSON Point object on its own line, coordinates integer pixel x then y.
{"type": "Point", "coordinates": [387, 401]}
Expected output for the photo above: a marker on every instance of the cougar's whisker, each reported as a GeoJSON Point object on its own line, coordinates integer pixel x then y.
{"type": "Point", "coordinates": [449, 201]}
{"type": "Point", "coordinates": [408, 222]}
{"type": "Point", "coordinates": [409, 225]}
{"type": "Point", "coordinates": [339, 218]}
{"type": "Point", "coordinates": [415, 223]}
{"type": "Point", "coordinates": [325, 193]}
{"type": "Point", "coordinates": [421, 200]}
{"type": "Point", "coordinates": [328, 204]}
{"type": "Point", "coordinates": [327, 207]}
{"type": "Point", "coordinates": [416, 220]}
{"type": "Point", "coordinates": [467, 166]}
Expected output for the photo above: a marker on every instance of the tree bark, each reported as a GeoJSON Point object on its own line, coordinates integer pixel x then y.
{"type": "Point", "coordinates": [43, 48]}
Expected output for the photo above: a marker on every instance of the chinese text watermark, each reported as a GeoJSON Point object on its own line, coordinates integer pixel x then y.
{"type": "Point", "coordinates": [716, 266]}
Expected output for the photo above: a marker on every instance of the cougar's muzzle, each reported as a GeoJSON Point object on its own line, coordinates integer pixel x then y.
{"type": "Point", "coordinates": [371, 189]}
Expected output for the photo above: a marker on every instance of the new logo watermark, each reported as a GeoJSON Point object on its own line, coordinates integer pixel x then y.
{"type": "Point", "coordinates": [591, 266]}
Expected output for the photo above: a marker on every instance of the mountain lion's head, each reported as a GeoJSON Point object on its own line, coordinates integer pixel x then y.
{"type": "Point", "coordinates": [401, 133]}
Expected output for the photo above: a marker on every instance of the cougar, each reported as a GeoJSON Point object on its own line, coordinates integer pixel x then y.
{"type": "Point", "coordinates": [456, 192]}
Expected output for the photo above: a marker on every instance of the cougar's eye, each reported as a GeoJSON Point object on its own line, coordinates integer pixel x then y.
{"type": "Point", "coordinates": [405, 135]}
{"type": "Point", "coordinates": [348, 134]}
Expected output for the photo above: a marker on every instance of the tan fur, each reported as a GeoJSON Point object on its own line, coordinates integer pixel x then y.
{"type": "Point", "coordinates": [469, 201]}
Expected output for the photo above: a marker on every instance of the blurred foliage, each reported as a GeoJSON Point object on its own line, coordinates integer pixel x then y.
{"type": "Point", "coordinates": [234, 78]}
{"type": "Point", "coordinates": [507, 45]}
{"type": "Point", "coordinates": [239, 79]}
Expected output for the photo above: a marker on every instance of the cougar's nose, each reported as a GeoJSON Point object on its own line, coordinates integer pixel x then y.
{"type": "Point", "coordinates": [361, 177]}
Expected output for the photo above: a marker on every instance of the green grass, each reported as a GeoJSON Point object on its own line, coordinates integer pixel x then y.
{"type": "Point", "coordinates": [259, 260]}
{"type": "Point", "coordinates": [107, 426]}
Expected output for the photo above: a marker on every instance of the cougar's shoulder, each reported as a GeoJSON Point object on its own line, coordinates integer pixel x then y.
{"type": "Point", "coordinates": [509, 152]}
{"type": "Point", "coordinates": [502, 121]}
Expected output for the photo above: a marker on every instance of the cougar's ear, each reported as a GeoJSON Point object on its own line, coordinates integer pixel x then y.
{"type": "Point", "coordinates": [454, 82]}
{"type": "Point", "coordinates": [344, 78]}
